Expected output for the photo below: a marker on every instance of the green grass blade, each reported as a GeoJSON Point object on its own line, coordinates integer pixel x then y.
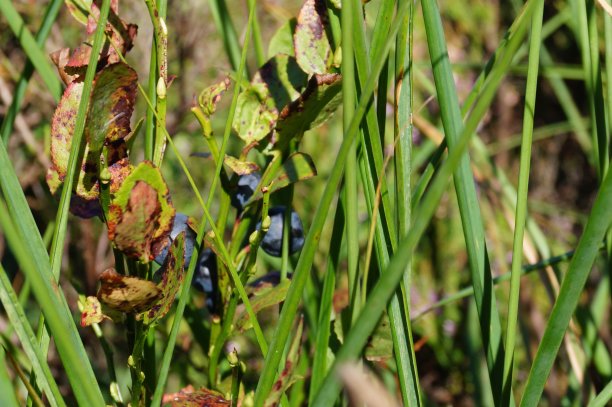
{"type": "Point", "coordinates": [598, 223]}
{"type": "Point", "coordinates": [57, 246]}
{"type": "Point", "coordinates": [52, 302]}
{"type": "Point", "coordinates": [466, 196]}
{"type": "Point", "coordinates": [28, 70]}
{"type": "Point", "coordinates": [319, 363]}
{"type": "Point", "coordinates": [350, 173]}
{"type": "Point", "coordinates": [227, 30]}
{"type": "Point", "coordinates": [34, 52]}
{"type": "Point", "coordinates": [7, 390]}
{"type": "Point", "coordinates": [411, 390]}
{"type": "Point", "coordinates": [522, 198]}
{"type": "Point", "coordinates": [24, 331]}
{"type": "Point", "coordinates": [602, 398]}
{"type": "Point", "coordinates": [303, 267]}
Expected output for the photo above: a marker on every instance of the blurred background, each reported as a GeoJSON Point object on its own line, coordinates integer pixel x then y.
{"type": "Point", "coordinates": [562, 182]}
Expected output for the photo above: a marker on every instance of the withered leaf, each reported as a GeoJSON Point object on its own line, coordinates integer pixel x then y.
{"type": "Point", "coordinates": [127, 294]}
{"type": "Point", "coordinates": [188, 397]}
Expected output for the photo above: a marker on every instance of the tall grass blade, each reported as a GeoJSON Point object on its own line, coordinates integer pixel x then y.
{"type": "Point", "coordinates": [522, 198]}
{"type": "Point", "coordinates": [51, 300]}
{"type": "Point", "coordinates": [303, 267]}
{"type": "Point", "coordinates": [597, 225]}
{"type": "Point", "coordinates": [24, 331]}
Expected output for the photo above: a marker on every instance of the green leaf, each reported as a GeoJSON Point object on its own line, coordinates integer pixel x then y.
{"type": "Point", "coordinates": [141, 214]}
{"type": "Point", "coordinates": [297, 167]}
{"type": "Point", "coordinates": [312, 49]}
{"type": "Point", "coordinates": [79, 9]}
{"type": "Point", "coordinates": [280, 81]}
{"type": "Point", "coordinates": [112, 104]}
{"type": "Point", "coordinates": [254, 120]}
{"type": "Point", "coordinates": [263, 298]}
{"type": "Point", "coordinates": [171, 278]}
{"type": "Point", "coordinates": [380, 345]}
{"type": "Point", "coordinates": [282, 40]}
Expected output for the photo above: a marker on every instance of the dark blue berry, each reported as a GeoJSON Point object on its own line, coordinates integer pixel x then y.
{"type": "Point", "coordinates": [205, 278]}
{"type": "Point", "coordinates": [245, 188]}
{"type": "Point", "coordinates": [180, 224]}
{"type": "Point", "coordinates": [273, 240]}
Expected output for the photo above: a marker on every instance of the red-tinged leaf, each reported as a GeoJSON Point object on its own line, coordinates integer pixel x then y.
{"type": "Point", "coordinates": [111, 106]}
{"type": "Point", "coordinates": [172, 274]}
{"type": "Point", "coordinates": [188, 397]}
{"type": "Point", "coordinates": [92, 312]}
{"type": "Point", "coordinates": [210, 96]}
{"type": "Point", "coordinates": [287, 377]}
{"type": "Point", "coordinates": [60, 58]}
{"type": "Point", "coordinates": [312, 49]}
{"type": "Point", "coordinates": [141, 213]}
{"type": "Point", "coordinates": [127, 294]}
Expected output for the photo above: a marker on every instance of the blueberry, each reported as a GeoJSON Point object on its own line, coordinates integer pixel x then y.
{"type": "Point", "coordinates": [180, 224]}
{"type": "Point", "coordinates": [205, 277]}
{"type": "Point", "coordinates": [273, 240]}
{"type": "Point", "coordinates": [244, 189]}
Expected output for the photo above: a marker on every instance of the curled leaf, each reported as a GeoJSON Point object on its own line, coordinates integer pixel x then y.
{"type": "Point", "coordinates": [210, 96]}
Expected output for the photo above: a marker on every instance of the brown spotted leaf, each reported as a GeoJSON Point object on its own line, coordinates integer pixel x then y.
{"type": "Point", "coordinates": [280, 80]}
{"type": "Point", "coordinates": [188, 397]}
{"type": "Point", "coordinates": [84, 202]}
{"type": "Point", "coordinates": [316, 104]}
{"type": "Point", "coordinates": [172, 273]}
{"type": "Point", "coordinates": [210, 96]}
{"type": "Point", "coordinates": [312, 49]}
{"type": "Point", "coordinates": [127, 294]}
{"type": "Point", "coordinates": [240, 167]}
{"type": "Point", "coordinates": [287, 377]}
{"type": "Point", "coordinates": [254, 118]}
{"type": "Point", "coordinates": [141, 213]}
{"type": "Point", "coordinates": [111, 106]}
{"type": "Point", "coordinates": [92, 312]}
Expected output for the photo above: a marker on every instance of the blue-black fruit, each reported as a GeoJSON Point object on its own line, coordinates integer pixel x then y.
{"type": "Point", "coordinates": [205, 277]}
{"type": "Point", "coordinates": [273, 240]}
{"type": "Point", "coordinates": [180, 224]}
{"type": "Point", "coordinates": [245, 188]}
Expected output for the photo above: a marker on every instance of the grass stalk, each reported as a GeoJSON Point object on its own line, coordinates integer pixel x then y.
{"type": "Point", "coordinates": [522, 198]}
